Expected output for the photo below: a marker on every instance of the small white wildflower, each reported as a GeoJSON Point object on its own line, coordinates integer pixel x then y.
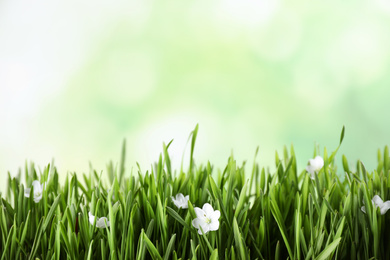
{"type": "Point", "coordinates": [180, 201]}
{"type": "Point", "coordinates": [378, 202]}
{"type": "Point", "coordinates": [100, 222]}
{"type": "Point", "coordinates": [38, 189]}
{"type": "Point", "coordinates": [315, 165]}
{"type": "Point", "coordinates": [206, 218]}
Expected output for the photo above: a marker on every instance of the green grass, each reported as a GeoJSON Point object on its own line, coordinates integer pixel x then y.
{"type": "Point", "coordinates": [263, 215]}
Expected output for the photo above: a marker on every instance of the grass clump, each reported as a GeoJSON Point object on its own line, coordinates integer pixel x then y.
{"type": "Point", "coordinates": [287, 214]}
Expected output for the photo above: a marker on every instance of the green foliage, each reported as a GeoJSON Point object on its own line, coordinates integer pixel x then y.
{"type": "Point", "coordinates": [265, 215]}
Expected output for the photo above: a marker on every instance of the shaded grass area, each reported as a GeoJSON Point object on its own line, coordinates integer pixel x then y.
{"type": "Point", "coordinates": [263, 215]}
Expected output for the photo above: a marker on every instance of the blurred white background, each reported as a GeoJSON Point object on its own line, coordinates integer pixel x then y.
{"type": "Point", "coordinates": [77, 78]}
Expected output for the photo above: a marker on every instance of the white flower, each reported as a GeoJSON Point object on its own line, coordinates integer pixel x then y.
{"type": "Point", "coordinates": [315, 165]}
{"type": "Point", "coordinates": [38, 189]}
{"type": "Point", "coordinates": [378, 202]}
{"type": "Point", "coordinates": [207, 219]}
{"type": "Point", "coordinates": [181, 201]}
{"type": "Point", "coordinates": [100, 222]}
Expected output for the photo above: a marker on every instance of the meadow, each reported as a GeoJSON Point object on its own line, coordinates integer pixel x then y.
{"type": "Point", "coordinates": [320, 212]}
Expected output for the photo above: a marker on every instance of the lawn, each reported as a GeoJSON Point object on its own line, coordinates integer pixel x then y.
{"type": "Point", "coordinates": [320, 212]}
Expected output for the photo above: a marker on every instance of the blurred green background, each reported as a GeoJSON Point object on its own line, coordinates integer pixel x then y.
{"type": "Point", "coordinates": [76, 78]}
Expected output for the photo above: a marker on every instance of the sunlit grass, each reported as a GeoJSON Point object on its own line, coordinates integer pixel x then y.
{"type": "Point", "coordinates": [262, 215]}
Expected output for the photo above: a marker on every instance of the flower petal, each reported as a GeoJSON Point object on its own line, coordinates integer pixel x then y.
{"type": "Point", "coordinates": [184, 205]}
{"type": "Point", "coordinates": [318, 162]}
{"type": "Point", "coordinates": [208, 209]}
{"type": "Point", "coordinates": [310, 169]}
{"type": "Point", "coordinates": [101, 222]}
{"type": "Point", "coordinates": [311, 161]}
{"type": "Point", "coordinates": [215, 216]}
{"type": "Point", "coordinates": [214, 225]}
{"type": "Point", "coordinates": [185, 202]}
{"type": "Point", "coordinates": [377, 201]}
{"type": "Point", "coordinates": [385, 207]}
{"type": "Point", "coordinates": [200, 224]}
{"type": "Point", "coordinates": [37, 186]}
{"type": "Point", "coordinates": [37, 198]}
{"type": "Point", "coordinates": [315, 165]}
{"type": "Point", "coordinates": [91, 218]}
{"type": "Point", "coordinates": [205, 227]}
{"type": "Point", "coordinates": [180, 201]}
{"type": "Point", "coordinates": [197, 222]}
{"type": "Point", "coordinates": [179, 197]}
{"type": "Point", "coordinates": [175, 202]}
{"type": "Point", "coordinates": [27, 192]}
{"type": "Point", "coordinates": [199, 212]}
{"type": "Point", "coordinates": [363, 209]}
